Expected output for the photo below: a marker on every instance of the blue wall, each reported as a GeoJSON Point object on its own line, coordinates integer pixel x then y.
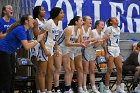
{"type": "Point", "coordinates": [127, 11]}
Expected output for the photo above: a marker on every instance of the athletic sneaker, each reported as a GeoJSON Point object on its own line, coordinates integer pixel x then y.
{"type": "Point", "coordinates": [95, 90]}
{"type": "Point", "coordinates": [119, 90]}
{"type": "Point", "coordinates": [137, 89]}
{"type": "Point", "coordinates": [58, 91]}
{"type": "Point", "coordinates": [107, 91]}
{"type": "Point", "coordinates": [69, 91]}
{"type": "Point", "coordinates": [81, 91]}
{"type": "Point", "coordinates": [86, 91]}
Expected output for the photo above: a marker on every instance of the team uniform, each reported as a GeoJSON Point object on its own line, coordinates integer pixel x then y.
{"type": "Point", "coordinates": [37, 51]}
{"type": "Point", "coordinates": [63, 50]}
{"type": "Point", "coordinates": [74, 51]}
{"type": "Point", "coordinates": [113, 41]}
{"type": "Point", "coordinates": [87, 53]}
{"type": "Point", "coordinates": [5, 25]}
{"type": "Point", "coordinates": [53, 33]}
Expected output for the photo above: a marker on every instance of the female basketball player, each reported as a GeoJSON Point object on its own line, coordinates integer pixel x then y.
{"type": "Point", "coordinates": [113, 34]}
{"type": "Point", "coordinates": [39, 50]}
{"type": "Point", "coordinates": [53, 26]}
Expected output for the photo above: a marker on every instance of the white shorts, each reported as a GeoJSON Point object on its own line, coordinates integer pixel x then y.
{"type": "Point", "coordinates": [34, 51]}
{"type": "Point", "coordinates": [113, 51]}
{"type": "Point", "coordinates": [38, 52]}
{"type": "Point", "coordinates": [41, 55]}
{"type": "Point", "coordinates": [75, 51]}
{"type": "Point", "coordinates": [50, 46]}
{"type": "Point", "coordinates": [51, 50]}
{"type": "Point", "coordinates": [88, 54]}
{"type": "Point", "coordinates": [63, 50]}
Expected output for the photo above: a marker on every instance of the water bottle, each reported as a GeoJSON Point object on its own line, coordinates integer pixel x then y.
{"type": "Point", "coordinates": [101, 85]}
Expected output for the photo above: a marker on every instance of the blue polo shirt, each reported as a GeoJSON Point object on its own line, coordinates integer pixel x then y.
{"type": "Point", "coordinates": [12, 41]}
{"type": "Point", "coordinates": [5, 25]}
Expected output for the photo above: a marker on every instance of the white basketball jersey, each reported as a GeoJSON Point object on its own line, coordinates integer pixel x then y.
{"type": "Point", "coordinates": [40, 24]}
{"type": "Point", "coordinates": [114, 36]}
{"type": "Point", "coordinates": [97, 35]}
{"type": "Point", "coordinates": [54, 32]}
{"type": "Point", "coordinates": [74, 36]}
{"type": "Point", "coordinates": [86, 33]}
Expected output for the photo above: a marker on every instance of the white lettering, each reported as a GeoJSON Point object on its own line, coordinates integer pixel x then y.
{"type": "Point", "coordinates": [137, 25]}
{"type": "Point", "coordinates": [129, 17]}
{"type": "Point", "coordinates": [79, 7]}
{"type": "Point", "coordinates": [96, 10]}
{"type": "Point", "coordinates": [69, 13]}
{"type": "Point", "coordinates": [39, 2]}
{"type": "Point", "coordinates": [114, 12]}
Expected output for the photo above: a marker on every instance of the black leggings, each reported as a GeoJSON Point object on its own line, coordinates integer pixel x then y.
{"type": "Point", "coordinates": [5, 73]}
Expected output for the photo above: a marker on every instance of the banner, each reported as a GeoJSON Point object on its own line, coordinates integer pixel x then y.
{"type": "Point", "coordinates": [127, 11]}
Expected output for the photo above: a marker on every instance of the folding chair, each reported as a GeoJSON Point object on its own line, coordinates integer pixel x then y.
{"type": "Point", "coordinates": [101, 68]}
{"type": "Point", "coordinates": [24, 80]}
{"type": "Point", "coordinates": [128, 79]}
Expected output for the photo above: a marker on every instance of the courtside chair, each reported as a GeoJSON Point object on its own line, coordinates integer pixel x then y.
{"type": "Point", "coordinates": [24, 80]}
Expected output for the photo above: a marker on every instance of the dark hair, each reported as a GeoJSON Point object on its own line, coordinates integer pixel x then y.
{"type": "Point", "coordinates": [55, 12]}
{"type": "Point", "coordinates": [36, 11]}
{"type": "Point", "coordinates": [108, 22]}
{"type": "Point", "coordinates": [72, 21]}
{"type": "Point", "coordinates": [18, 23]}
{"type": "Point", "coordinates": [138, 44]}
{"type": "Point", "coordinates": [3, 9]}
{"type": "Point", "coordinates": [97, 23]}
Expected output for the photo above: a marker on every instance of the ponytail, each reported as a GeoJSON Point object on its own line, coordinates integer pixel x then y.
{"type": "Point", "coordinates": [2, 13]}
{"type": "Point", "coordinates": [18, 23]}
{"type": "Point", "coordinates": [72, 21]}
{"type": "Point", "coordinates": [108, 22]}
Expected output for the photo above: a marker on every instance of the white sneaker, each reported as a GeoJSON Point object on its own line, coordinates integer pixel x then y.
{"type": "Point", "coordinates": [86, 91]}
{"type": "Point", "coordinates": [58, 91]}
{"type": "Point", "coordinates": [95, 90]}
{"type": "Point", "coordinates": [107, 91]}
{"type": "Point", "coordinates": [81, 91]}
{"type": "Point", "coordinates": [119, 90]}
{"type": "Point", "coordinates": [137, 89]}
{"type": "Point", "coordinates": [69, 91]}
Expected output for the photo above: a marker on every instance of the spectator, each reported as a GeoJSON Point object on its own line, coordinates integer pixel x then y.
{"type": "Point", "coordinates": [132, 65]}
